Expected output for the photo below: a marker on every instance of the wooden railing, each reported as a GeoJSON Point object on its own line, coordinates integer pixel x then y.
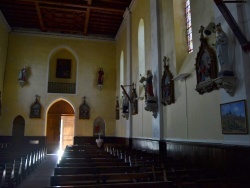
{"type": "Point", "coordinates": [58, 87]}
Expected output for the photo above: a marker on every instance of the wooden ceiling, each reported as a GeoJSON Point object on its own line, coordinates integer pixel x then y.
{"type": "Point", "coordinates": [95, 18]}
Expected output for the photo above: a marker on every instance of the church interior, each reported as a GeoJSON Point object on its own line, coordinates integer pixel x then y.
{"type": "Point", "coordinates": [162, 78]}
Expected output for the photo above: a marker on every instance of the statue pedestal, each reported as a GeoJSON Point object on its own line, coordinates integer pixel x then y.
{"type": "Point", "coordinates": [226, 82]}
{"type": "Point", "coordinates": [99, 142]}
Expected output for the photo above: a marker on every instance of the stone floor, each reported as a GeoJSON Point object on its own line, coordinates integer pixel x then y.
{"type": "Point", "coordinates": [40, 177]}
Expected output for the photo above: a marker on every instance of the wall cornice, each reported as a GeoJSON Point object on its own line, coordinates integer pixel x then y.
{"type": "Point", "coordinates": [57, 35]}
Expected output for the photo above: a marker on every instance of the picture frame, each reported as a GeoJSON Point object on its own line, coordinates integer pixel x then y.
{"type": "Point", "coordinates": [234, 117]}
{"type": "Point", "coordinates": [84, 110]}
{"type": "Point", "coordinates": [205, 66]}
{"type": "Point", "coordinates": [35, 109]}
{"type": "Point", "coordinates": [63, 68]}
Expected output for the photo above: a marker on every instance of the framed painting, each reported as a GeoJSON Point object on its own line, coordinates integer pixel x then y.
{"type": "Point", "coordinates": [35, 109]}
{"type": "Point", "coordinates": [205, 66]}
{"type": "Point", "coordinates": [63, 68]}
{"type": "Point", "coordinates": [233, 117]}
{"type": "Point", "coordinates": [84, 110]}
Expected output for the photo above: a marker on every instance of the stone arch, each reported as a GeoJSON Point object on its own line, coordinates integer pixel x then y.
{"type": "Point", "coordinates": [18, 129]}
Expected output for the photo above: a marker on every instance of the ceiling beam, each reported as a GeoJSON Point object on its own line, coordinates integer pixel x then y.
{"type": "Point", "coordinates": [61, 9]}
{"type": "Point", "coordinates": [85, 31]}
{"type": "Point", "coordinates": [75, 5]}
{"type": "Point", "coordinates": [40, 17]}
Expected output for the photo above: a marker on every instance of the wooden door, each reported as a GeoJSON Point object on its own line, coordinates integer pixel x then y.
{"type": "Point", "coordinates": [53, 133]}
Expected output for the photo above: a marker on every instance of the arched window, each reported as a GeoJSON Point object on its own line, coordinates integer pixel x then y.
{"type": "Point", "coordinates": [141, 53]}
{"type": "Point", "coordinates": [121, 71]}
{"type": "Point", "coordinates": [189, 26]}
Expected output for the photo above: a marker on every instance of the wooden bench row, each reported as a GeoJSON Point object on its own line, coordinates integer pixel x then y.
{"type": "Point", "coordinates": [16, 165]}
{"type": "Point", "coordinates": [90, 166]}
{"type": "Point", "coordinates": [165, 184]}
{"type": "Point", "coordinates": [184, 176]}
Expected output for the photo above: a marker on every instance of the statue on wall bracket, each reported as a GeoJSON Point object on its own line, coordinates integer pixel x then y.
{"type": "Point", "coordinates": [84, 110]}
{"type": "Point", "coordinates": [150, 99]}
{"type": "Point", "coordinates": [125, 102]}
{"type": "Point", "coordinates": [100, 78]}
{"type": "Point", "coordinates": [205, 66]}
{"type": "Point", "coordinates": [117, 109]}
{"type": "Point", "coordinates": [134, 100]}
{"type": "Point", "coordinates": [208, 78]}
{"type": "Point", "coordinates": [35, 109]}
{"type": "Point", "coordinates": [22, 77]}
{"type": "Point", "coordinates": [167, 84]}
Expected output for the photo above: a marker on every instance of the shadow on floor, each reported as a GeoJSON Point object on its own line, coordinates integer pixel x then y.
{"type": "Point", "coordinates": [40, 177]}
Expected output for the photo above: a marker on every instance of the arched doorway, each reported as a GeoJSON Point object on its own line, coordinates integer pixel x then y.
{"type": "Point", "coordinates": [60, 126]}
{"type": "Point", "coordinates": [18, 130]}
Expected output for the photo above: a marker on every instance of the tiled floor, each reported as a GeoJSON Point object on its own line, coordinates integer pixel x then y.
{"type": "Point", "coordinates": [40, 177]}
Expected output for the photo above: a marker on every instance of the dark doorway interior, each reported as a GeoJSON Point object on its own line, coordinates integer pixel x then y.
{"type": "Point", "coordinates": [18, 130]}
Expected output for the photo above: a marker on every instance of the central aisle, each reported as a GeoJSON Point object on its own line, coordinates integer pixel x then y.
{"type": "Point", "coordinates": [40, 177]}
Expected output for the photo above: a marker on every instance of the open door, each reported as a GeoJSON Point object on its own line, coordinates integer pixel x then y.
{"type": "Point", "coordinates": [60, 126]}
{"type": "Point", "coordinates": [53, 133]}
{"type": "Point", "coordinates": [67, 131]}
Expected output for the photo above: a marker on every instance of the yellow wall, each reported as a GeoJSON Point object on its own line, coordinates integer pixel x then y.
{"type": "Point", "coordinates": [4, 35]}
{"type": "Point", "coordinates": [36, 52]}
{"type": "Point", "coordinates": [193, 117]}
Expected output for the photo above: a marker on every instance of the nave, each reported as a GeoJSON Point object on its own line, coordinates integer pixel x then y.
{"type": "Point", "coordinates": [114, 165]}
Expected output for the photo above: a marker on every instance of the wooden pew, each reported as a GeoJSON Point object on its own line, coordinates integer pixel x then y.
{"type": "Point", "coordinates": [95, 170]}
{"type": "Point", "coordinates": [84, 160]}
{"type": "Point", "coordinates": [164, 184]}
{"type": "Point", "coordinates": [18, 158]}
{"type": "Point", "coordinates": [232, 182]}
{"type": "Point", "coordinates": [93, 164]}
{"type": "Point", "coordinates": [2, 174]}
{"type": "Point", "coordinates": [59, 180]}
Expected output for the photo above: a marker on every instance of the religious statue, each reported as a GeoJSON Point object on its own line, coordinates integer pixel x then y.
{"type": "Point", "coordinates": [167, 85]}
{"type": "Point", "coordinates": [221, 46]}
{"type": "Point", "coordinates": [100, 78]}
{"type": "Point", "coordinates": [150, 99]}
{"type": "Point", "coordinates": [22, 77]}
{"type": "Point", "coordinates": [134, 101]}
{"type": "Point", "coordinates": [125, 106]}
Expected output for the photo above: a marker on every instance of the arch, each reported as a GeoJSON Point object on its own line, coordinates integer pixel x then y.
{"type": "Point", "coordinates": [141, 52]}
{"type": "Point", "coordinates": [99, 126]}
{"type": "Point", "coordinates": [60, 125]}
{"type": "Point", "coordinates": [18, 129]}
{"type": "Point", "coordinates": [121, 70]}
{"type": "Point", "coordinates": [67, 56]}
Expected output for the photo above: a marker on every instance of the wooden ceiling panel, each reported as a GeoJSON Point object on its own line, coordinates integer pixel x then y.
{"type": "Point", "coordinates": [84, 17]}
